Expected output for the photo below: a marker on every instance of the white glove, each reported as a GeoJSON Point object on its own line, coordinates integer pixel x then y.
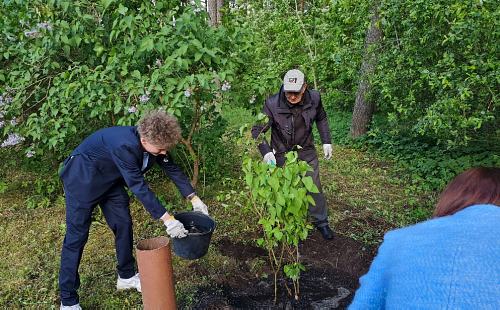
{"type": "Point", "coordinates": [175, 229]}
{"type": "Point", "coordinates": [198, 205]}
{"type": "Point", "coordinates": [270, 159]}
{"type": "Point", "coordinates": [327, 149]}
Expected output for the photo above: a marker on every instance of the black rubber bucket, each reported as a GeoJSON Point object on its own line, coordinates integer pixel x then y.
{"type": "Point", "coordinates": [200, 227]}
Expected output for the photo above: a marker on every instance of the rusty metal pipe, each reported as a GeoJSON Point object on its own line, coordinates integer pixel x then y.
{"type": "Point", "coordinates": [154, 260]}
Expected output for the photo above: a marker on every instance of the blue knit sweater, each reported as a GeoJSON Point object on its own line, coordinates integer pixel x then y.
{"type": "Point", "coordinates": [451, 262]}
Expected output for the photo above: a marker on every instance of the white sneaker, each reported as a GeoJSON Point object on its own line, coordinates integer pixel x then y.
{"type": "Point", "coordinates": [74, 307]}
{"type": "Point", "coordinates": [125, 284]}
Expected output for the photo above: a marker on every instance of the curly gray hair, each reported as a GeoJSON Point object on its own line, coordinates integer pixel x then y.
{"type": "Point", "coordinates": [160, 129]}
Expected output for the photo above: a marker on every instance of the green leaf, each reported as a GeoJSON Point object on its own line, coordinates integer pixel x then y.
{"type": "Point", "coordinates": [197, 43]}
{"type": "Point", "coordinates": [280, 199]}
{"type": "Point", "coordinates": [117, 108]}
{"type": "Point", "coordinates": [147, 44]}
{"type": "Point", "coordinates": [64, 39]}
{"type": "Point", "coordinates": [122, 9]}
{"type": "Point", "coordinates": [311, 200]}
{"type": "Point", "coordinates": [197, 56]}
{"type": "Point", "coordinates": [136, 74]}
{"type": "Point", "coordinates": [309, 184]}
{"type": "Point", "coordinates": [278, 235]}
{"type": "Point", "coordinates": [76, 40]}
{"type": "Point", "coordinates": [274, 183]}
{"type": "Point", "coordinates": [182, 50]}
{"type": "Point", "coordinates": [249, 179]}
{"type": "Point", "coordinates": [98, 49]}
{"type": "Point", "coordinates": [106, 3]}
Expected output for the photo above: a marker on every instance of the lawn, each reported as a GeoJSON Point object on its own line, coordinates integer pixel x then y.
{"type": "Point", "coordinates": [366, 197]}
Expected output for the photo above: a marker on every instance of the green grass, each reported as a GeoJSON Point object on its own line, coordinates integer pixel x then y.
{"type": "Point", "coordinates": [366, 197]}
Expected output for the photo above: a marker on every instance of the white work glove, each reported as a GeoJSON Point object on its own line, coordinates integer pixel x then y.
{"type": "Point", "coordinates": [198, 205]}
{"type": "Point", "coordinates": [175, 229]}
{"type": "Point", "coordinates": [327, 149]}
{"type": "Point", "coordinates": [270, 159]}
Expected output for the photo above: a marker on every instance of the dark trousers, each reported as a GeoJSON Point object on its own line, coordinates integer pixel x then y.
{"type": "Point", "coordinates": [319, 212]}
{"type": "Point", "coordinates": [115, 207]}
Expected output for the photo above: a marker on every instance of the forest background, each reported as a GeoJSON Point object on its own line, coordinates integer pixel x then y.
{"type": "Point", "coordinates": [410, 88]}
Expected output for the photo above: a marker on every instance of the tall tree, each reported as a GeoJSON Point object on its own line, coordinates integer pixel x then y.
{"type": "Point", "coordinates": [364, 106]}
{"type": "Point", "coordinates": [214, 8]}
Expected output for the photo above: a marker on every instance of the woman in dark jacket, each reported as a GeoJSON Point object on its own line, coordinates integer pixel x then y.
{"type": "Point", "coordinates": [449, 262]}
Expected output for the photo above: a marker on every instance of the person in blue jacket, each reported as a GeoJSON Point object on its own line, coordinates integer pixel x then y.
{"type": "Point", "coordinates": [98, 172]}
{"type": "Point", "coordinates": [449, 262]}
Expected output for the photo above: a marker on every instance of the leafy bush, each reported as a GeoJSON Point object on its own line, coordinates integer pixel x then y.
{"type": "Point", "coordinates": [435, 86]}
{"type": "Point", "coordinates": [279, 198]}
{"type": "Point", "coordinates": [429, 166]}
{"type": "Point", "coordinates": [70, 67]}
{"type": "Point", "coordinates": [438, 69]}
{"type": "Point", "coordinates": [324, 40]}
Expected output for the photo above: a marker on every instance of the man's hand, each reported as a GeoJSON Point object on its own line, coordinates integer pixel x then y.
{"type": "Point", "coordinates": [270, 159]}
{"type": "Point", "coordinates": [175, 229]}
{"type": "Point", "coordinates": [198, 205]}
{"type": "Point", "coordinates": [327, 149]}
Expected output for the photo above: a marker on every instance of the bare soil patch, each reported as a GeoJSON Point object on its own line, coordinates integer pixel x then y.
{"type": "Point", "coordinates": [332, 273]}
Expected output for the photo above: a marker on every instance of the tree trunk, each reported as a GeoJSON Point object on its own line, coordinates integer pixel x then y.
{"type": "Point", "coordinates": [301, 5]}
{"type": "Point", "coordinates": [363, 108]}
{"type": "Point", "coordinates": [214, 8]}
{"type": "Point", "coordinates": [220, 4]}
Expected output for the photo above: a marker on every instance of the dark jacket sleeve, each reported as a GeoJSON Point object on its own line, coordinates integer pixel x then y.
{"type": "Point", "coordinates": [131, 172]}
{"type": "Point", "coordinates": [176, 174]}
{"type": "Point", "coordinates": [322, 123]}
{"type": "Point", "coordinates": [259, 130]}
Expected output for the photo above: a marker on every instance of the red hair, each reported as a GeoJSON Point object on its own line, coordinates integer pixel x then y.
{"type": "Point", "coordinates": [474, 186]}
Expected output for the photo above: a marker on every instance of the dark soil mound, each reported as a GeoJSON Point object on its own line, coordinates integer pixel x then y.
{"type": "Point", "coordinates": [332, 273]}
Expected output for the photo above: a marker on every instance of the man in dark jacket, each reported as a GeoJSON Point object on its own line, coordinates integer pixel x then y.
{"type": "Point", "coordinates": [97, 173]}
{"type": "Point", "coordinates": [291, 114]}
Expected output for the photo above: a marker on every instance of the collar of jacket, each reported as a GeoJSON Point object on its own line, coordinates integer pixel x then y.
{"type": "Point", "coordinates": [283, 107]}
{"type": "Point", "coordinates": [136, 132]}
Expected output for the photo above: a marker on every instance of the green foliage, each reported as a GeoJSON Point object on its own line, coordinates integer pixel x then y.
{"type": "Point", "coordinates": [47, 188]}
{"type": "Point", "coordinates": [281, 196]}
{"type": "Point", "coordinates": [438, 64]}
{"type": "Point", "coordinates": [216, 152]}
{"type": "Point", "coordinates": [70, 67]}
{"type": "Point", "coordinates": [293, 270]}
{"type": "Point", "coordinates": [3, 187]}
{"type": "Point", "coordinates": [280, 199]}
{"type": "Point", "coordinates": [43, 192]}
{"type": "Point", "coordinates": [435, 87]}
{"type": "Point", "coordinates": [431, 167]}
{"type": "Point", "coordinates": [428, 166]}
{"type": "Point", "coordinates": [324, 40]}
{"type": "Point", "coordinates": [438, 69]}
